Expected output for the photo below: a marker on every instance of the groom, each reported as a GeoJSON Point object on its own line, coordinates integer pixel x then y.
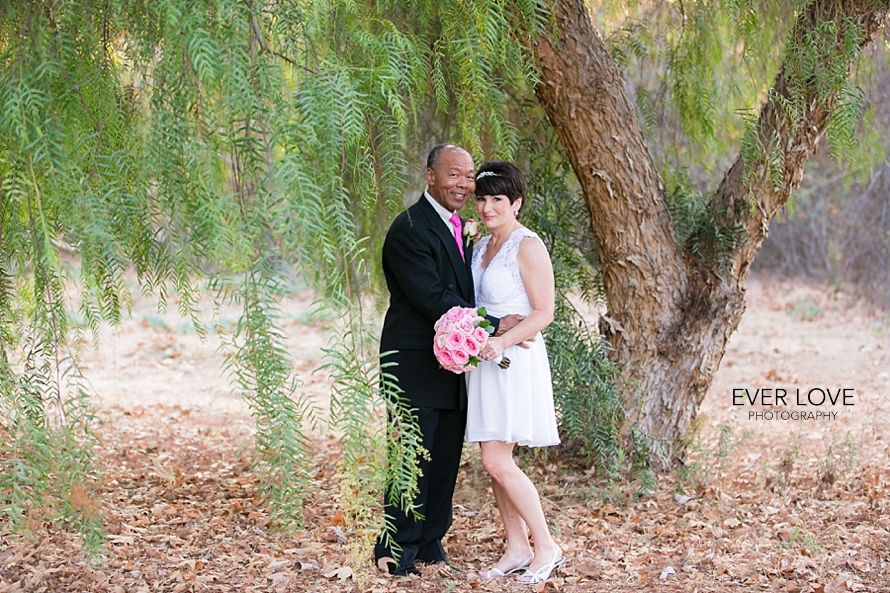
{"type": "Point", "coordinates": [426, 262]}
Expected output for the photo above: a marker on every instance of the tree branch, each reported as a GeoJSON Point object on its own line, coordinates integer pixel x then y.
{"type": "Point", "coordinates": [747, 198]}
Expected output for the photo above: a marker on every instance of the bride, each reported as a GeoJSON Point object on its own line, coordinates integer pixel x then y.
{"type": "Point", "coordinates": [512, 274]}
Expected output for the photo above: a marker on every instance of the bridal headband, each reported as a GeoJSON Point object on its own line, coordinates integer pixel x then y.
{"type": "Point", "coordinates": [487, 174]}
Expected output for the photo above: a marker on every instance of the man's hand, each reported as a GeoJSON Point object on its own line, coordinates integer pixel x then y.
{"type": "Point", "coordinates": [508, 322]}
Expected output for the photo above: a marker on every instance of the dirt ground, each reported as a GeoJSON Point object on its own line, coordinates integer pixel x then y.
{"type": "Point", "coordinates": [780, 504]}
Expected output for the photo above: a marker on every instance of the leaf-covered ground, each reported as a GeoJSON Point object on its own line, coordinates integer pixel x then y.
{"type": "Point", "coordinates": [779, 506]}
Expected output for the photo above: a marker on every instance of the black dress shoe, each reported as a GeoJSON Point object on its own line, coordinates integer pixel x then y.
{"type": "Point", "coordinates": [442, 566]}
{"type": "Point", "coordinates": [403, 571]}
{"type": "Point", "coordinates": [400, 571]}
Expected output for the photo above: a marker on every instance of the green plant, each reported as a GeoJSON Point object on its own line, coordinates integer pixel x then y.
{"type": "Point", "coordinates": [381, 448]}
{"type": "Point", "coordinates": [805, 309]}
{"type": "Point", "coordinates": [646, 483]}
{"type": "Point", "coordinates": [705, 466]}
{"type": "Point", "coordinates": [808, 542]}
{"type": "Point", "coordinates": [791, 542]}
{"type": "Point", "coordinates": [789, 455]}
{"type": "Point", "coordinates": [811, 545]}
{"type": "Point", "coordinates": [610, 492]}
{"type": "Point", "coordinates": [260, 366]}
{"type": "Point", "coordinates": [839, 458]}
{"type": "Point", "coordinates": [695, 226]}
{"type": "Point", "coordinates": [46, 465]}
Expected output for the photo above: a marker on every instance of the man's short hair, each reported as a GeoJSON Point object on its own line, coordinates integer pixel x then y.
{"type": "Point", "coordinates": [433, 158]}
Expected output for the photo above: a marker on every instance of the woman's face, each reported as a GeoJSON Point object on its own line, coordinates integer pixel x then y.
{"type": "Point", "coordinates": [496, 211]}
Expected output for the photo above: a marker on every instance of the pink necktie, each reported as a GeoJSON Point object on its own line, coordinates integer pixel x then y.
{"type": "Point", "coordinates": [455, 221]}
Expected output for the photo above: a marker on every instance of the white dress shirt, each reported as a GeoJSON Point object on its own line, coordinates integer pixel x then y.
{"type": "Point", "coordinates": [443, 213]}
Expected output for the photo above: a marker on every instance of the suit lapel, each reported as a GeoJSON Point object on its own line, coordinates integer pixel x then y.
{"type": "Point", "coordinates": [461, 267]}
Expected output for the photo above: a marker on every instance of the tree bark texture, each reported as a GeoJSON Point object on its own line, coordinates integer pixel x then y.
{"type": "Point", "coordinates": [669, 314]}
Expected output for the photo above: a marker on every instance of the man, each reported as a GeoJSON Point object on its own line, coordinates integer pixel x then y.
{"type": "Point", "coordinates": [426, 262]}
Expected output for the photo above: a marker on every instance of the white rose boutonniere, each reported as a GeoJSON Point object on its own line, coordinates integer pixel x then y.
{"type": "Point", "coordinates": [471, 231]}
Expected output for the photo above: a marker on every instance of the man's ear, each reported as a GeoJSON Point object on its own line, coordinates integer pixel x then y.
{"type": "Point", "coordinates": [430, 177]}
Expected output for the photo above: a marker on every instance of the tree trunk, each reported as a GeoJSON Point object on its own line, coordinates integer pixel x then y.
{"type": "Point", "coordinates": [669, 314]}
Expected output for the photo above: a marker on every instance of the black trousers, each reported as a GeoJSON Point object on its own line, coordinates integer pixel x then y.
{"type": "Point", "coordinates": [443, 437]}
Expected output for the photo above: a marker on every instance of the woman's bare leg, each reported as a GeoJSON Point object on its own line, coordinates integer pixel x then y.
{"type": "Point", "coordinates": [517, 488]}
{"type": "Point", "coordinates": [518, 547]}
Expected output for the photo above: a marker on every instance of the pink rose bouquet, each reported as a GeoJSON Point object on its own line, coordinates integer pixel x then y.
{"type": "Point", "coordinates": [461, 333]}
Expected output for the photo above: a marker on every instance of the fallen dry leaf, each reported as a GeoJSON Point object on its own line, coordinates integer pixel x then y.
{"type": "Point", "coordinates": [183, 511]}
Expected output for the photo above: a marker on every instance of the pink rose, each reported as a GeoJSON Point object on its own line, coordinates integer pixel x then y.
{"type": "Point", "coordinates": [471, 347]}
{"type": "Point", "coordinates": [480, 335]}
{"type": "Point", "coordinates": [455, 341]}
{"type": "Point", "coordinates": [445, 358]}
{"type": "Point", "coordinates": [441, 340]}
{"type": "Point", "coordinates": [455, 314]}
{"type": "Point", "coordinates": [460, 357]}
{"type": "Point", "coordinates": [466, 326]}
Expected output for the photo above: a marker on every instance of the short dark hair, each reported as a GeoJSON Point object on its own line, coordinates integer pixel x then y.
{"type": "Point", "coordinates": [432, 158]}
{"type": "Point", "coordinates": [503, 179]}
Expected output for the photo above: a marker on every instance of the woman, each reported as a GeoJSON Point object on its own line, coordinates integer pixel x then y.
{"type": "Point", "coordinates": [513, 274]}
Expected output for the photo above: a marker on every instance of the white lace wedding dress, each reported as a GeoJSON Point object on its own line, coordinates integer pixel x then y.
{"type": "Point", "coordinates": [513, 405]}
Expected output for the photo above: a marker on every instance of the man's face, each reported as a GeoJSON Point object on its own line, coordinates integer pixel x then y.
{"type": "Point", "coordinates": [453, 180]}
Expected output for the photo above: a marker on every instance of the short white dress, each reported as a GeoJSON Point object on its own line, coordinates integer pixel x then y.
{"type": "Point", "coordinates": [513, 405]}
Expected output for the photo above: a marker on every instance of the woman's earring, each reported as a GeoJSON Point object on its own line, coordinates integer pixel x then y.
{"type": "Point", "coordinates": [515, 213]}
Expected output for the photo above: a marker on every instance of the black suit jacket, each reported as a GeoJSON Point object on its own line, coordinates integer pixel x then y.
{"type": "Point", "coordinates": [426, 276]}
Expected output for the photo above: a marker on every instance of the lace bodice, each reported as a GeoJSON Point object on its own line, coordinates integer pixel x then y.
{"type": "Point", "coordinates": [499, 287]}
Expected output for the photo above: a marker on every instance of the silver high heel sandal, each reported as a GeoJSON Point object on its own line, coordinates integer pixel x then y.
{"type": "Point", "coordinates": [496, 573]}
{"type": "Point", "coordinates": [542, 574]}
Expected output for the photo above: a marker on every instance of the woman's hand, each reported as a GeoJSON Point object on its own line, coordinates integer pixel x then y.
{"type": "Point", "coordinates": [493, 348]}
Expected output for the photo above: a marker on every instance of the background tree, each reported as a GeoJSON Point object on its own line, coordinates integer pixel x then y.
{"type": "Point", "coordinates": [675, 300]}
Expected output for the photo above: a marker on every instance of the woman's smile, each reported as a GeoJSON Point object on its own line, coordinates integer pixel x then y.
{"type": "Point", "coordinates": [495, 211]}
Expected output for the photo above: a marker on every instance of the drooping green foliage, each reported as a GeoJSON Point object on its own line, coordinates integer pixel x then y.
{"type": "Point", "coordinates": [63, 161]}
{"type": "Point", "coordinates": [817, 69]}
{"type": "Point", "coordinates": [692, 67]}
{"type": "Point", "coordinates": [816, 72]}
{"type": "Point", "coordinates": [235, 141]}
{"type": "Point", "coordinates": [366, 401]}
{"type": "Point", "coordinates": [702, 237]}
{"type": "Point", "coordinates": [696, 70]}
{"type": "Point", "coordinates": [260, 368]}
{"type": "Point", "coordinates": [46, 460]}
